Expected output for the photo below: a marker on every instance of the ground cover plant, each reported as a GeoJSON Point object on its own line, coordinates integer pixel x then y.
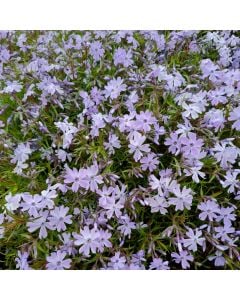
{"type": "Point", "coordinates": [119, 150]}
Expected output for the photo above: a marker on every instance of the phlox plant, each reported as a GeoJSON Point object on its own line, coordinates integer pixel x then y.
{"type": "Point", "coordinates": [119, 150]}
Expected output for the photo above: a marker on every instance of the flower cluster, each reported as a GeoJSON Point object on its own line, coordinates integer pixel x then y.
{"type": "Point", "coordinates": [119, 150]}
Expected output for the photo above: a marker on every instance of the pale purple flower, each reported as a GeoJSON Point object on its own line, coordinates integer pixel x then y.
{"type": "Point", "coordinates": [22, 261]}
{"type": "Point", "coordinates": [113, 142]}
{"type": "Point", "coordinates": [191, 145]}
{"type": "Point", "coordinates": [136, 145]}
{"type": "Point", "coordinates": [63, 155]}
{"type": "Point", "coordinates": [149, 162]}
{"type": "Point", "coordinates": [68, 244]}
{"type": "Point", "coordinates": [50, 86]}
{"type": "Point", "coordinates": [13, 202]}
{"type": "Point", "coordinates": [59, 218]}
{"type": "Point", "coordinates": [32, 204]}
{"type": "Point", "coordinates": [191, 110]}
{"type": "Point", "coordinates": [208, 69]}
{"type": "Point", "coordinates": [209, 209]}
{"type": "Point", "coordinates": [105, 194]}
{"type": "Point", "coordinates": [78, 178]}
{"type": "Point", "coordinates": [193, 239]}
{"type": "Point", "coordinates": [231, 181]}
{"type": "Point", "coordinates": [92, 177]}
{"type": "Point", "coordinates": [114, 88]}
{"type": "Point", "coordinates": [225, 153]}
{"type": "Point", "coordinates": [144, 120]}
{"type": "Point", "coordinates": [12, 87]}
{"type": "Point", "coordinates": [158, 203]}
{"type": "Point", "coordinates": [183, 258]}
{"type": "Point", "coordinates": [195, 173]}
{"type": "Point", "coordinates": [48, 197]}
{"type": "Point", "coordinates": [21, 153]}
{"type": "Point", "coordinates": [158, 264]}
{"type": "Point", "coordinates": [69, 131]}
{"type": "Point", "coordinates": [88, 239]}
{"type": "Point", "coordinates": [57, 261]}
{"type": "Point", "coordinates": [126, 225]}
{"type": "Point", "coordinates": [117, 262]}
{"type": "Point", "coordinates": [112, 207]}
{"type": "Point", "coordinates": [235, 116]}
{"type": "Point", "coordinates": [103, 240]}
{"type": "Point", "coordinates": [40, 223]}
{"type": "Point", "coordinates": [96, 50]}
{"type": "Point", "coordinates": [219, 260]}
{"type": "Point", "coordinates": [226, 214]}
{"type": "Point", "coordinates": [222, 232]}
{"type": "Point", "coordinates": [214, 119]}
{"type": "Point", "coordinates": [122, 57]}
{"type": "Point", "coordinates": [183, 199]}
{"type": "Point", "coordinates": [174, 143]}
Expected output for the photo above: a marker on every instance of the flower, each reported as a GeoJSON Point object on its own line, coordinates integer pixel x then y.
{"type": "Point", "coordinates": [40, 223]}
{"type": "Point", "coordinates": [235, 116]}
{"type": "Point", "coordinates": [121, 56]}
{"type": "Point", "coordinates": [78, 178]}
{"type": "Point", "coordinates": [114, 87]}
{"type": "Point", "coordinates": [112, 207]}
{"type": "Point", "coordinates": [57, 261]}
{"type": "Point", "coordinates": [47, 198]}
{"type": "Point", "coordinates": [93, 178]}
{"type": "Point", "coordinates": [158, 203]}
{"type": "Point", "coordinates": [174, 143]}
{"type": "Point", "coordinates": [13, 202]}
{"type": "Point", "coordinates": [219, 260]}
{"type": "Point", "coordinates": [21, 153]}
{"type": "Point", "coordinates": [193, 239]}
{"type": "Point", "coordinates": [136, 145]}
{"type": "Point", "coordinates": [182, 258]}
{"type": "Point", "coordinates": [231, 181]}
{"type": "Point", "coordinates": [88, 239]}
{"type": "Point", "coordinates": [159, 264]}
{"type": "Point", "coordinates": [32, 204]}
{"type": "Point", "coordinates": [191, 145]}
{"type": "Point", "coordinates": [113, 142]}
{"type": "Point", "coordinates": [183, 199]}
{"type": "Point", "coordinates": [209, 209]}
{"type": "Point", "coordinates": [13, 86]}
{"type": "Point", "coordinates": [103, 240]}
{"type": "Point", "coordinates": [223, 231]}
{"type": "Point", "coordinates": [59, 217]}
{"type": "Point", "coordinates": [22, 261]}
{"type": "Point", "coordinates": [126, 225]}
{"type": "Point", "coordinates": [117, 262]}
{"type": "Point", "coordinates": [96, 50]}
{"type": "Point", "coordinates": [226, 215]}
{"type": "Point", "coordinates": [149, 162]}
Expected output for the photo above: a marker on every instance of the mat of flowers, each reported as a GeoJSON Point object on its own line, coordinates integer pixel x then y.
{"type": "Point", "coordinates": [119, 150]}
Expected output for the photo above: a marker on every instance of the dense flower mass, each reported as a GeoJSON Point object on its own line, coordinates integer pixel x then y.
{"type": "Point", "coordinates": [119, 150]}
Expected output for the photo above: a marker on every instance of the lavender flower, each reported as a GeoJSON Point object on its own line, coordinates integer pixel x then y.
{"type": "Point", "coordinates": [193, 240]}
{"type": "Point", "coordinates": [159, 264]}
{"type": "Point", "coordinates": [59, 217]}
{"type": "Point", "coordinates": [235, 116]}
{"type": "Point", "coordinates": [57, 261]}
{"type": "Point", "coordinates": [88, 239]}
{"type": "Point", "coordinates": [40, 223]}
{"type": "Point", "coordinates": [114, 88]}
{"type": "Point", "coordinates": [183, 258]}
{"type": "Point", "coordinates": [78, 178]}
{"type": "Point", "coordinates": [136, 146]}
{"type": "Point", "coordinates": [183, 199]}
{"type": "Point", "coordinates": [209, 209]}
